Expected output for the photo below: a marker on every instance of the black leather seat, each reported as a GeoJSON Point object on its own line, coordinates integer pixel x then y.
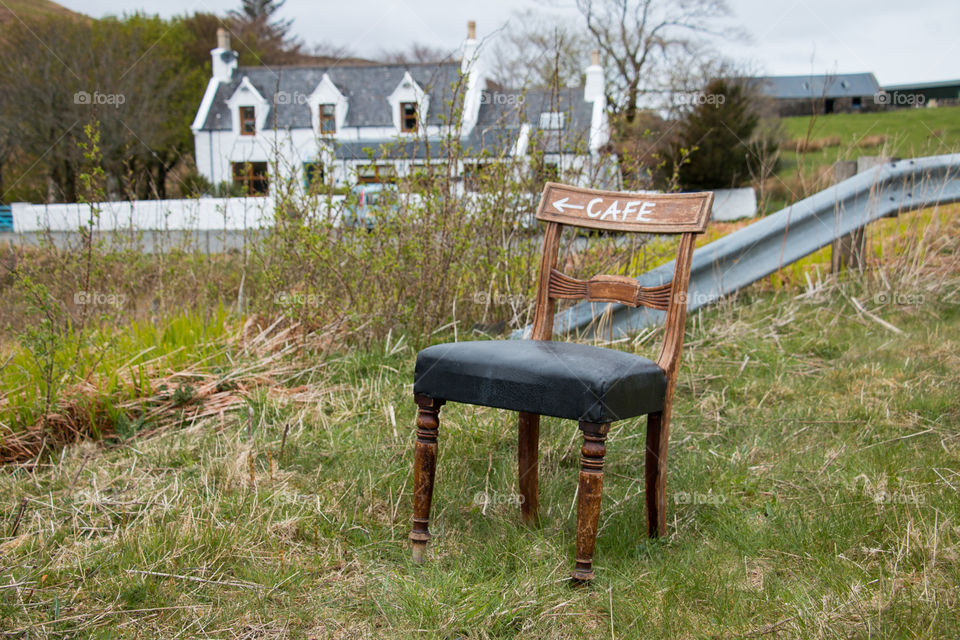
{"type": "Point", "coordinates": [561, 379]}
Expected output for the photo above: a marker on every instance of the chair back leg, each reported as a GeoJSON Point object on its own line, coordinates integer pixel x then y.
{"type": "Point", "coordinates": [658, 437]}
{"type": "Point", "coordinates": [528, 465]}
{"type": "Point", "coordinates": [424, 470]}
{"type": "Point", "coordinates": [588, 496]}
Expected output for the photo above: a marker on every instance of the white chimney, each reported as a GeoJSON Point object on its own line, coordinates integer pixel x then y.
{"type": "Point", "coordinates": [594, 88]}
{"type": "Point", "coordinates": [224, 59]}
{"type": "Point", "coordinates": [470, 46]}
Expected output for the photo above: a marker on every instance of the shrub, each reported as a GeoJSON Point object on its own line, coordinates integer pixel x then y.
{"type": "Point", "coordinates": [713, 145]}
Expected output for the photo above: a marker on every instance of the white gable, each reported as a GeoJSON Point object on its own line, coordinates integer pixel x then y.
{"type": "Point", "coordinates": [247, 95]}
{"type": "Point", "coordinates": [327, 93]}
{"type": "Point", "coordinates": [408, 91]}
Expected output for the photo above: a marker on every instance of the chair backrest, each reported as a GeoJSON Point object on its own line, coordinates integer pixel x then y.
{"type": "Point", "coordinates": [686, 214]}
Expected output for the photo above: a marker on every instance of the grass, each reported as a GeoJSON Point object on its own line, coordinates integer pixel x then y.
{"type": "Point", "coordinates": [904, 133]}
{"type": "Point", "coordinates": [815, 466]}
{"type": "Point", "coordinates": [33, 10]}
{"type": "Point", "coordinates": [908, 132]}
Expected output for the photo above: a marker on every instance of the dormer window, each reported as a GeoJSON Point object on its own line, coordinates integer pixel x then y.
{"type": "Point", "coordinates": [408, 117]}
{"type": "Point", "coordinates": [328, 118]}
{"type": "Point", "coordinates": [248, 121]}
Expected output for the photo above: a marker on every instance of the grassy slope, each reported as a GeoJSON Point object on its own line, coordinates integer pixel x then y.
{"type": "Point", "coordinates": [910, 132]}
{"type": "Point", "coordinates": [32, 10]}
{"type": "Point", "coordinates": [813, 483]}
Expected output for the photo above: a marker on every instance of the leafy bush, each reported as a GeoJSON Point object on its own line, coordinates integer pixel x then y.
{"type": "Point", "coordinates": [715, 138]}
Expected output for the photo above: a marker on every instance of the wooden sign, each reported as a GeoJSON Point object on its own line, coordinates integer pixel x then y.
{"type": "Point", "coordinates": [619, 211]}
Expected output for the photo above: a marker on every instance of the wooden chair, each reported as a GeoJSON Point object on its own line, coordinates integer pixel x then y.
{"type": "Point", "coordinates": [592, 385]}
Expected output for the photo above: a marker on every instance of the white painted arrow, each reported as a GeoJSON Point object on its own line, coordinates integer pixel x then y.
{"type": "Point", "coordinates": [562, 202]}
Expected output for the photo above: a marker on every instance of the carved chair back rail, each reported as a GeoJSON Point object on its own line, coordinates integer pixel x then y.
{"type": "Point", "coordinates": [592, 385]}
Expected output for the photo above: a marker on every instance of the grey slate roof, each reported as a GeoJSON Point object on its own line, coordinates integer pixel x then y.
{"type": "Point", "coordinates": [845, 85]}
{"type": "Point", "coordinates": [502, 113]}
{"type": "Point", "coordinates": [365, 87]}
{"type": "Point", "coordinates": [918, 86]}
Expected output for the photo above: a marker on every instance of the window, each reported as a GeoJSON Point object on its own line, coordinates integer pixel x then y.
{"type": "Point", "coordinates": [251, 177]}
{"type": "Point", "coordinates": [328, 118]}
{"type": "Point", "coordinates": [375, 173]}
{"type": "Point", "coordinates": [408, 116]}
{"type": "Point", "coordinates": [313, 175]}
{"type": "Point", "coordinates": [551, 120]}
{"type": "Point", "coordinates": [248, 121]}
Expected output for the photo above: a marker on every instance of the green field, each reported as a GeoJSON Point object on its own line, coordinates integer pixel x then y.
{"type": "Point", "coordinates": [905, 133]}
{"type": "Point", "coordinates": [813, 491]}
{"type": "Point", "coordinates": [909, 132]}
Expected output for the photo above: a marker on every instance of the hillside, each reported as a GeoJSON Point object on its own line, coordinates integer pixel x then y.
{"type": "Point", "coordinates": [11, 10]}
{"type": "Point", "coordinates": [813, 144]}
{"type": "Point", "coordinates": [845, 136]}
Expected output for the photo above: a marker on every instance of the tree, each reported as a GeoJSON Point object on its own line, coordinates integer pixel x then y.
{"type": "Point", "coordinates": [417, 53]}
{"type": "Point", "coordinates": [538, 50]}
{"type": "Point", "coordinates": [640, 40]}
{"type": "Point", "coordinates": [130, 76]}
{"type": "Point", "coordinates": [717, 134]}
{"type": "Point", "coordinates": [263, 11]}
{"type": "Point", "coordinates": [262, 38]}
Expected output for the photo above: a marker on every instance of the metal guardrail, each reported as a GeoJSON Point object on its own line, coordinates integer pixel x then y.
{"type": "Point", "coordinates": [726, 265]}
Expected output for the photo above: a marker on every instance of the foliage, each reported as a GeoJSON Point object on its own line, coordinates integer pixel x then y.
{"type": "Point", "coordinates": [262, 38]}
{"type": "Point", "coordinates": [129, 76]}
{"type": "Point", "coordinates": [720, 127]}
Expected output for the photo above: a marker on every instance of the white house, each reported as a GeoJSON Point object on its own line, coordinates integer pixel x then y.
{"type": "Point", "coordinates": [372, 123]}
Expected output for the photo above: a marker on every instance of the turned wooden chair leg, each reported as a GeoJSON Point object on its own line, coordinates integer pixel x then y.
{"type": "Point", "coordinates": [658, 437]}
{"type": "Point", "coordinates": [528, 465]}
{"type": "Point", "coordinates": [588, 499]}
{"type": "Point", "coordinates": [424, 469]}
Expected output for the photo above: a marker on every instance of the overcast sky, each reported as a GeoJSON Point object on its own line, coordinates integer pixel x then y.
{"type": "Point", "coordinates": [899, 41]}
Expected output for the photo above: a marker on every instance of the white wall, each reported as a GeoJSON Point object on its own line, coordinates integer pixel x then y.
{"type": "Point", "coordinates": [734, 204]}
{"type": "Point", "coordinates": [144, 215]}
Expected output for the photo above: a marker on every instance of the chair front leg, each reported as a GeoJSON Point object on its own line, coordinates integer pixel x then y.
{"type": "Point", "coordinates": [424, 469]}
{"type": "Point", "coordinates": [658, 437]}
{"type": "Point", "coordinates": [528, 466]}
{"type": "Point", "coordinates": [588, 502]}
